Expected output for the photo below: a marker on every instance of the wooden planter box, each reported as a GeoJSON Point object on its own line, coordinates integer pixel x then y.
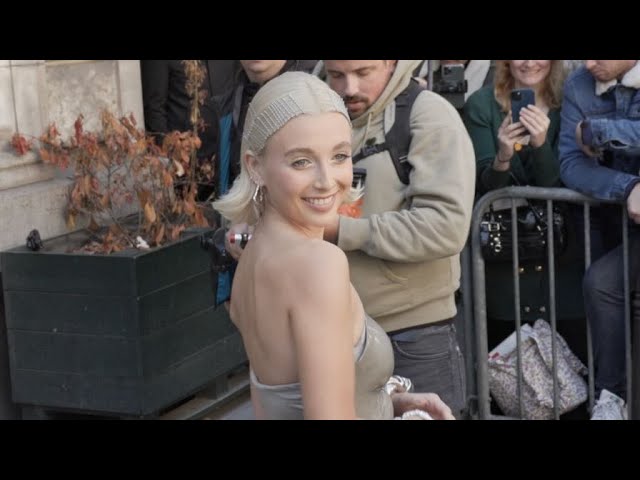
{"type": "Point", "coordinates": [127, 334]}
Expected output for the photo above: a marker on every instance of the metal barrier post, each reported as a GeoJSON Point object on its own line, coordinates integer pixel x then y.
{"type": "Point", "coordinates": [478, 291]}
{"type": "Point", "coordinates": [627, 308]}
{"type": "Point", "coordinates": [468, 329]}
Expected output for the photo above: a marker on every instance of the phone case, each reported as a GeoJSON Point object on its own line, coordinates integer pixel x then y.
{"type": "Point", "coordinates": [520, 98]}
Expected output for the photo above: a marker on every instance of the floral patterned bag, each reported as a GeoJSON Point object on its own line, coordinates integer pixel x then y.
{"type": "Point", "coordinates": [537, 372]}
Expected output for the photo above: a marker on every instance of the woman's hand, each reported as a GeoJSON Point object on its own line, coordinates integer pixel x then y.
{"type": "Point", "coordinates": [537, 123]}
{"type": "Point", "coordinates": [508, 135]}
{"type": "Point", "coordinates": [429, 402]}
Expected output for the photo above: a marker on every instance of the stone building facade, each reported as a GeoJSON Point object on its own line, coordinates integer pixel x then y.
{"type": "Point", "coordinates": [34, 93]}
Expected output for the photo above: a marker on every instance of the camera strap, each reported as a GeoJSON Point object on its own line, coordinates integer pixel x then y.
{"type": "Point", "coordinates": [540, 221]}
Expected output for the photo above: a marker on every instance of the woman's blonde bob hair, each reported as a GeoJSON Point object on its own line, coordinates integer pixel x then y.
{"type": "Point", "coordinates": [551, 90]}
{"type": "Point", "coordinates": [280, 100]}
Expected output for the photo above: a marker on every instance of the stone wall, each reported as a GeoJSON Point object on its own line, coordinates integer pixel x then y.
{"type": "Point", "coordinates": [88, 87]}
{"type": "Point", "coordinates": [34, 93]}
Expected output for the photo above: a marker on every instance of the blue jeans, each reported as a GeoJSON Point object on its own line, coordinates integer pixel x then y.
{"type": "Point", "coordinates": [604, 301]}
{"type": "Point", "coordinates": [430, 356]}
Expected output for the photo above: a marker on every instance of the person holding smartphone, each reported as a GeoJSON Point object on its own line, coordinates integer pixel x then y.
{"type": "Point", "coordinates": [487, 116]}
{"type": "Point", "coordinates": [523, 151]}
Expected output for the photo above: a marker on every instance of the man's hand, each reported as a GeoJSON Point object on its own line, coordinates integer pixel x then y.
{"type": "Point", "coordinates": [429, 402]}
{"type": "Point", "coordinates": [234, 249]}
{"type": "Point", "coordinates": [588, 150]}
{"type": "Point", "coordinates": [633, 203]}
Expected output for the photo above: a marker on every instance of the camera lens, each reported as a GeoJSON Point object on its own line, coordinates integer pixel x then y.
{"type": "Point", "coordinates": [516, 95]}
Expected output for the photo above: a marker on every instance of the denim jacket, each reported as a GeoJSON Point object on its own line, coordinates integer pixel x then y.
{"type": "Point", "coordinates": [614, 121]}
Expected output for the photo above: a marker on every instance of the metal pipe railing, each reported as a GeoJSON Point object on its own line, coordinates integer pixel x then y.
{"type": "Point", "coordinates": [478, 289]}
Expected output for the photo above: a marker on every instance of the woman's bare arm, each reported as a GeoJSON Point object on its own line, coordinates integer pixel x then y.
{"type": "Point", "coordinates": [321, 317]}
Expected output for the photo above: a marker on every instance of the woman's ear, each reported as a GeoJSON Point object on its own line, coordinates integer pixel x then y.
{"type": "Point", "coordinates": [253, 166]}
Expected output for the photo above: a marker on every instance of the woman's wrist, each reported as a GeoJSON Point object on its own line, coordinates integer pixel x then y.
{"type": "Point", "coordinates": [501, 165]}
{"type": "Point", "coordinates": [502, 159]}
{"type": "Point", "coordinates": [533, 144]}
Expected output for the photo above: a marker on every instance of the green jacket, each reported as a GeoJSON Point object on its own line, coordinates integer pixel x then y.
{"type": "Point", "coordinates": [536, 167]}
{"type": "Point", "coordinates": [531, 166]}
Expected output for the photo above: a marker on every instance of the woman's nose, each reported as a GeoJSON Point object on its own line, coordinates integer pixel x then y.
{"type": "Point", "coordinates": [324, 178]}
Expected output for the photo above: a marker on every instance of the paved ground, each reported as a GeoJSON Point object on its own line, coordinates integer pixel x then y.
{"type": "Point", "coordinates": [237, 409]}
{"type": "Point", "coordinates": [237, 404]}
{"type": "Point", "coordinates": [226, 399]}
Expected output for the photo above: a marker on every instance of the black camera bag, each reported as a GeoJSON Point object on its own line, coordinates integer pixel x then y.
{"type": "Point", "coordinates": [533, 224]}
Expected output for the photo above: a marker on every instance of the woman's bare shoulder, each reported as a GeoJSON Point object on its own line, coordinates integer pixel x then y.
{"type": "Point", "coordinates": [318, 287]}
{"type": "Point", "coordinates": [311, 262]}
{"type": "Point", "coordinates": [318, 255]}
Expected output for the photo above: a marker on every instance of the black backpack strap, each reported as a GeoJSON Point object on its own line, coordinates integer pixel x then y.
{"type": "Point", "coordinates": [398, 138]}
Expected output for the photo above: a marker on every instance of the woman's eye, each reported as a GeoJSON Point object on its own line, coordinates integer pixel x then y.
{"type": "Point", "coordinates": [342, 157]}
{"type": "Point", "coordinates": [300, 163]}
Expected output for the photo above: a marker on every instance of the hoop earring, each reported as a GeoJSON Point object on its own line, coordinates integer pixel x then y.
{"type": "Point", "coordinates": [258, 201]}
{"type": "Point", "coordinates": [258, 195]}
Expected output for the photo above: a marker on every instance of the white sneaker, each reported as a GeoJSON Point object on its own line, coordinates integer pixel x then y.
{"type": "Point", "coordinates": [609, 407]}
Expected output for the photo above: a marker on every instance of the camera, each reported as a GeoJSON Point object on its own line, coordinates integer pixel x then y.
{"type": "Point", "coordinates": [213, 242]}
{"type": "Point", "coordinates": [359, 176]}
{"type": "Point", "coordinates": [451, 85]}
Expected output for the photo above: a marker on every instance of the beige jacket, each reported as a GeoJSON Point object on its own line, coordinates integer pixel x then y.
{"type": "Point", "coordinates": [404, 251]}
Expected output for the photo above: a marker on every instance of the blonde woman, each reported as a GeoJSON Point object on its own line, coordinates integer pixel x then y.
{"type": "Point", "coordinates": [313, 351]}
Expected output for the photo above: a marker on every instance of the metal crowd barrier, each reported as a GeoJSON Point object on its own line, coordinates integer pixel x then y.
{"type": "Point", "coordinates": [474, 299]}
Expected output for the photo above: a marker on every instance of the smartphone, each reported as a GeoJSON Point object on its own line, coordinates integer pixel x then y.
{"type": "Point", "coordinates": [520, 98]}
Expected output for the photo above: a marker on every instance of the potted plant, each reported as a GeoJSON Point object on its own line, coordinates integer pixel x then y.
{"type": "Point", "coordinates": [119, 317]}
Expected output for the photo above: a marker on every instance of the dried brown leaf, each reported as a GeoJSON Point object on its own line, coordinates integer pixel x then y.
{"type": "Point", "coordinates": [160, 235]}
{"type": "Point", "coordinates": [104, 201]}
{"type": "Point", "coordinates": [20, 144]}
{"type": "Point", "coordinates": [200, 219]}
{"type": "Point", "coordinates": [143, 196]}
{"type": "Point", "coordinates": [176, 231]}
{"type": "Point", "coordinates": [149, 213]}
{"type": "Point", "coordinates": [77, 125]}
{"type": "Point", "coordinates": [71, 221]}
{"type": "Point", "coordinates": [189, 207]}
{"type": "Point", "coordinates": [86, 185]}
{"type": "Point", "coordinates": [167, 179]}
